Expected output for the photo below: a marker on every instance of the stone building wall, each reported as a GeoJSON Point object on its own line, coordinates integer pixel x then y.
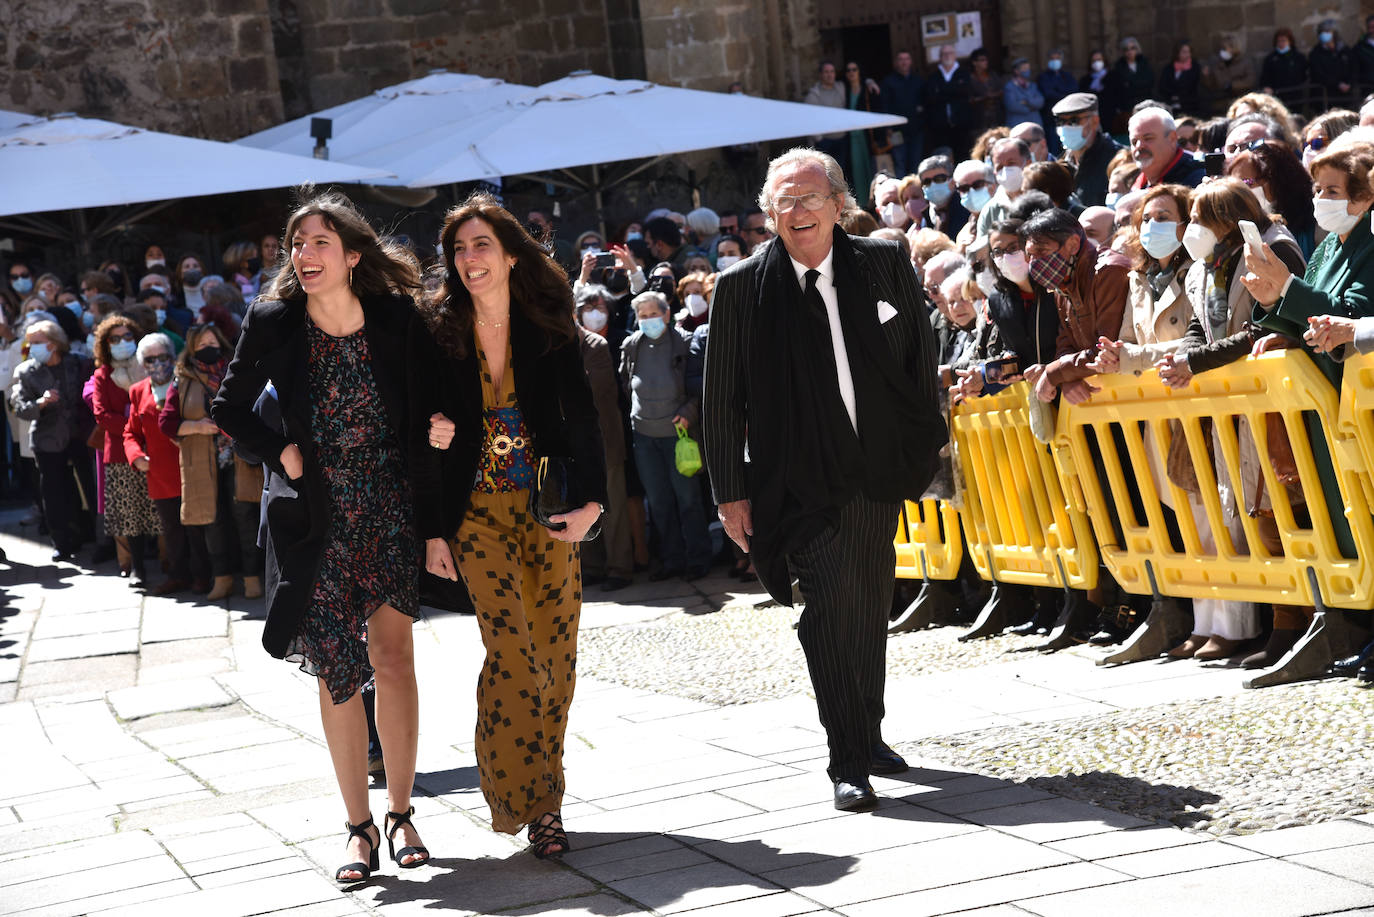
{"type": "Point", "coordinates": [201, 67]}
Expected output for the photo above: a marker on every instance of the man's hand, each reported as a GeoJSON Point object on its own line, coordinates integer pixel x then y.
{"type": "Point", "coordinates": [292, 463]}
{"type": "Point", "coordinates": [439, 559]}
{"type": "Point", "coordinates": [1272, 342]}
{"type": "Point", "coordinates": [1265, 275]}
{"type": "Point", "coordinates": [1078, 391]}
{"type": "Point", "coordinates": [1174, 371]}
{"type": "Point", "coordinates": [1034, 372]}
{"type": "Point", "coordinates": [441, 431]}
{"type": "Point", "coordinates": [588, 264]}
{"type": "Point", "coordinates": [1327, 332]}
{"type": "Point", "coordinates": [1045, 390]}
{"type": "Point", "coordinates": [970, 383]}
{"type": "Point", "coordinates": [738, 518]}
{"type": "Point", "coordinates": [624, 258]}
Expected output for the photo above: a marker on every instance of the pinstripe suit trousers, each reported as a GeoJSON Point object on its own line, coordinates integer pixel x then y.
{"type": "Point", "coordinates": [846, 580]}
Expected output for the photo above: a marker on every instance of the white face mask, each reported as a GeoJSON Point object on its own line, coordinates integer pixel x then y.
{"type": "Point", "coordinates": [594, 319]}
{"type": "Point", "coordinates": [894, 214]}
{"type": "Point", "coordinates": [724, 261]}
{"type": "Point", "coordinates": [1009, 178]}
{"type": "Point", "coordinates": [1265, 204]}
{"type": "Point", "coordinates": [1014, 267]}
{"type": "Point", "coordinates": [1099, 66]}
{"type": "Point", "coordinates": [1200, 241]}
{"type": "Point", "coordinates": [696, 304]}
{"type": "Point", "coordinates": [1333, 215]}
{"type": "Point", "coordinates": [987, 282]}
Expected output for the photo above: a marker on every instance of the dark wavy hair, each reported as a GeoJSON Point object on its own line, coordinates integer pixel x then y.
{"type": "Point", "coordinates": [538, 284]}
{"type": "Point", "coordinates": [1279, 168]}
{"type": "Point", "coordinates": [385, 267]}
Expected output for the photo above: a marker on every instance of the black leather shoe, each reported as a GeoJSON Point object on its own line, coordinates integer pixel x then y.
{"type": "Point", "coordinates": [855, 797]}
{"type": "Point", "coordinates": [1365, 674]}
{"type": "Point", "coordinates": [1350, 666]}
{"type": "Point", "coordinates": [886, 761]}
{"type": "Point", "coordinates": [664, 573]}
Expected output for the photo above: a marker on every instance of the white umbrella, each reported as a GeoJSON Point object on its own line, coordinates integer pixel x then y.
{"type": "Point", "coordinates": [448, 128]}
{"type": "Point", "coordinates": [69, 163]}
{"type": "Point", "coordinates": [376, 130]}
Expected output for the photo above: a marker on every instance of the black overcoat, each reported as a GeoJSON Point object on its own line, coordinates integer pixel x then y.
{"type": "Point", "coordinates": [274, 346]}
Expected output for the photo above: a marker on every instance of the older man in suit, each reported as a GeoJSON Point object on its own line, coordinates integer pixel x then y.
{"type": "Point", "coordinates": [819, 419]}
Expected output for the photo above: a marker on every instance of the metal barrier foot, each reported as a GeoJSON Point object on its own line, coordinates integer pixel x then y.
{"type": "Point", "coordinates": [1165, 627]}
{"type": "Point", "coordinates": [1331, 637]}
{"type": "Point", "coordinates": [932, 603]}
{"type": "Point", "coordinates": [1077, 615]}
{"type": "Point", "coordinates": [1001, 610]}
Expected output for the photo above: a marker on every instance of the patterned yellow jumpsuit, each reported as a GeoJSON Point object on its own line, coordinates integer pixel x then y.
{"type": "Point", "coordinates": [527, 588]}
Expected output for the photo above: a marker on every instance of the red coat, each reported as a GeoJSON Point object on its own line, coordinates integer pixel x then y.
{"type": "Point", "coordinates": [143, 439]}
{"type": "Point", "coordinates": [111, 407]}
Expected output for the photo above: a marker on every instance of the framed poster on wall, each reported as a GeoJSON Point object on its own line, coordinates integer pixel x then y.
{"type": "Point", "coordinates": [963, 30]}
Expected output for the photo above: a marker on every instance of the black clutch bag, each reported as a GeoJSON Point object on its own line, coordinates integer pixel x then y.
{"type": "Point", "coordinates": [550, 495]}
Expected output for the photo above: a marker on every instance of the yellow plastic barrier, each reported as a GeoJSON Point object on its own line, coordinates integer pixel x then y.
{"type": "Point", "coordinates": [1286, 383]}
{"type": "Point", "coordinates": [1018, 521]}
{"type": "Point", "coordinates": [929, 543]}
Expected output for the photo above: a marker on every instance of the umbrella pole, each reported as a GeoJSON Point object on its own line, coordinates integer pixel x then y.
{"type": "Point", "coordinates": [81, 236]}
{"type": "Point", "coordinates": [597, 199]}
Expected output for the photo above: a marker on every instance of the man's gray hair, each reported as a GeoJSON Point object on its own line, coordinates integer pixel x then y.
{"type": "Point", "coordinates": [936, 162]}
{"type": "Point", "coordinates": [703, 221]}
{"type": "Point", "coordinates": [1165, 119]}
{"type": "Point", "coordinates": [948, 261]}
{"type": "Point", "coordinates": [593, 292]}
{"type": "Point", "coordinates": [804, 155]}
{"type": "Point", "coordinates": [150, 341]}
{"type": "Point", "coordinates": [658, 299]}
{"type": "Point", "coordinates": [1028, 131]}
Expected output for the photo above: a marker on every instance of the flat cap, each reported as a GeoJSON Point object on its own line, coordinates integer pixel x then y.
{"type": "Point", "coordinates": [1075, 103]}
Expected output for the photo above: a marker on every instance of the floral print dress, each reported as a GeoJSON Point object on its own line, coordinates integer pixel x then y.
{"type": "Point", "coordinates": [372, 556]}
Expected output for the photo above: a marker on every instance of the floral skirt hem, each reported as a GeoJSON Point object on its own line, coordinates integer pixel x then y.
{"type": "Point", "coordinates": [340, 690]}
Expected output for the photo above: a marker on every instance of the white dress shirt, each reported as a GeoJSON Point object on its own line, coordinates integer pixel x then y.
{"type": "Point", "coordinates": [825, 284]}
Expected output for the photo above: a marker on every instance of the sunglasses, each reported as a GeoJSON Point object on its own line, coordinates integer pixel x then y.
{"type": "Point", "coordinates": [935, 180]}
{"type": "Point", "coordinates": [756, 230]}
{"type": "Point", "coordinates": [20, 276]}
{"type": "Point", "coordinates": [1315, 144]}
{"type": "Point", "coordinates": [1071, 120]}
{"type": "Point", "coordinates": [1232, 149]}
{"type": "Point", "coordinates": [980, 183]}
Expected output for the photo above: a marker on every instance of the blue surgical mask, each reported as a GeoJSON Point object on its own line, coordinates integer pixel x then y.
{"type": "Point", "coordinates": [633, 236]}
{"type": "Point", "coordinates": [75, 308]}
{"type": "Point", "coordinates": [1160, 238]}
{"type": "Point", "coordinates": [88, 319]}
{"type": "Point", "coordinates": [161, 317]}
{"type": "Point", "coordinates": [1055, 63]}
{"type": "Point", "coordinates": [1071, 135]}
{"type": "Point", "coordinates": [1283, 49]}
{"type": "Point", "coordinates": [975, 199]}
{"type": "Point", "coordinates": [1325, 37]}
{"type": "Point", "coordinates": [939, 193]}
{"type": "Point", "coordinates": [123, 350]}
{"type": "Point", "coordinates": [653, 327]}
{"type": "Point", "coordinates": [22, 284]}
{"type": "Point", "coordinates": [40, 351]}
{"type": "Point", "coordinates": [1112, 198]}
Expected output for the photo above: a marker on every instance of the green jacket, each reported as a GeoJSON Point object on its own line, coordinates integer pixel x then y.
{"type": "Point", "coordinates": [1339, 281]}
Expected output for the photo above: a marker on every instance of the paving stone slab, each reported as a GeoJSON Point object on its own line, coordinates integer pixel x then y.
{"type": "Point", "coordinates": [94, 622]}
{"type": "Point", "coordinates": [693, 887]}
{"type": "Point", "coordinates": [95, 880]}
{"type": "Point", "coordinates": [1306, 838]}
{"type": "Point", "coordinates": [1263, 888]}
{"type": "Point", "coordinates": [147, 700]}
{"type": "Point", "coordinates": [1172, 860]}
{"type": "Point", "coordinates": [1054, 820]}
{"type": "Point", "coordinates": [1355, 863]}
{"type": "Point", "coordinates": [86, 645]}
{"type": "Point", "coordinates": [994, 892]}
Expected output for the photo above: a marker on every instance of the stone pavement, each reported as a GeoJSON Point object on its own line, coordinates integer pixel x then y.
{"type": "Point", "coordinates": [159, 762]}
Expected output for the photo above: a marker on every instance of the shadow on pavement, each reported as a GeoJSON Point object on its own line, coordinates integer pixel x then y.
{"type": "Point", "coordinates": [489, 884]}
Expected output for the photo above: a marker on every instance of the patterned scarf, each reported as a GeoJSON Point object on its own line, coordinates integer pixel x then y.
{"type": "Point", "coordinates": [1216, 291]}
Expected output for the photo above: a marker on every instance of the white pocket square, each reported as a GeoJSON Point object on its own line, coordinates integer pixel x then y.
{"type": "Point", "coordinates": [885, 312]}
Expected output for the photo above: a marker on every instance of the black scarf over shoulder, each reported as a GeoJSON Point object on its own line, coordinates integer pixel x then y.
{"type": "Point", "coordinates": [806, 459]}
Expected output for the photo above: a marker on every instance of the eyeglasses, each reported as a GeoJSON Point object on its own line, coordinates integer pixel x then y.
{"type": "Point", "coordinates": [157, 359]}
{"type": "Point", "coordinates": [20, 276]}
{"type": "Point", "coordinates": [935, 180]}
{"type": "Point", "coordinates": [116, 337]}
{"type": "Point", "coordinates": [756, 230]}
{"type": "Point", "coordinates": [813, 201]}
{"type": "Point", "coordinates": [1315, 144]}
{"type": "Point", "coordinates": [1232, 149]}
{"type": "Point", "coordinates": [1072, 120]}
{"type": "Point", "coordinates": [980, 183]}
{"type": "Point", "coordinates": [1003, 252]}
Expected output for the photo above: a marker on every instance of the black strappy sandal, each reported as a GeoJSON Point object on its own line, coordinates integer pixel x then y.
{"type": "Point", "coordinates": [364, 870]}
{"type": "Point", "coordinates": [394, 821]}
{"type": "Point", "coordinates": [547, 837]}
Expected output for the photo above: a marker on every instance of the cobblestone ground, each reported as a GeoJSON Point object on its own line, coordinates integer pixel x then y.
{"type": "Point", "coordinates": [1270, 758]}
{"type": "Point", "coordinates": [742, 654]}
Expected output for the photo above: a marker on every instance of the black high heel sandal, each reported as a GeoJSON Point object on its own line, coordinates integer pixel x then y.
{"type": "Point", "coordinates": [364, 870]}
{"type": "Point", "coordinates": [547, 837]}
{"type": "Point", "coordinates": [394, 821]}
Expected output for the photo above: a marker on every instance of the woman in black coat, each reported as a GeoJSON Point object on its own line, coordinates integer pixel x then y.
{"type": "Point", "coordinates": [336, 338]}
{"type": "Point", "coordinates": [511, 377]}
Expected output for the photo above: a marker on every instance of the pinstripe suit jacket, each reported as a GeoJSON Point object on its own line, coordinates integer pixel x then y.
{"type": "Point", "coordinates": [726, 400]}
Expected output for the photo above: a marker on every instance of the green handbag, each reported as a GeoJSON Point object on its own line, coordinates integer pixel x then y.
{"type": "Point", "coordinates": [686, 454]}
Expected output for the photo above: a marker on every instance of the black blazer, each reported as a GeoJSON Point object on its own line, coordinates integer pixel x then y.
{"type": "Point", "coordinates": [555, 399]}
{"type": "Point", "coordinates": [274, 346]}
